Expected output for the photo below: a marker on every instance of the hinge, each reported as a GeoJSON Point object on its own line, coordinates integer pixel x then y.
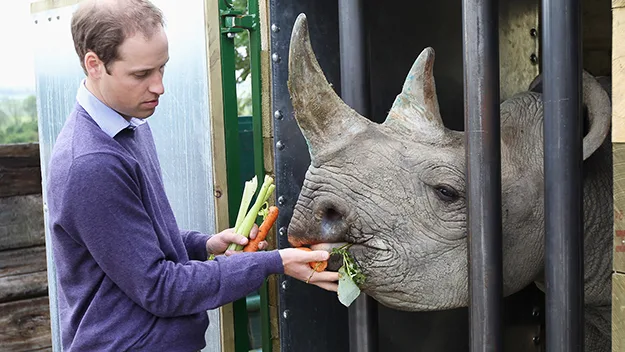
{"type": "Point", "coordinates": [233, 21]}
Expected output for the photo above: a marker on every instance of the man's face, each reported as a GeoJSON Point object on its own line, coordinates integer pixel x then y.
{"type": "Point", "coordinates": [135, 81]}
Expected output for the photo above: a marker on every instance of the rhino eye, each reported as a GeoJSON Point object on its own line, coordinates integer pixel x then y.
{"type": "Point", "coordinates": [446, 193]}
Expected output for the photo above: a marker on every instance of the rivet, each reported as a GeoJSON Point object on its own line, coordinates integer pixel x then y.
{"type": "Point", "coordinates": [58, 17]}
{"type": "Point", "coordinates": [217, 194]}
{"type": "Point", "coordinates": [282, 231]}
{"type": "Point", "coordinates": [535, 312]}
{"type": "Point", "coordinates": [280, 145]}
{"type": "Point", "coordinates": [285, 285]}
{"type": "Point", "coordinates": [278, 115]}
{"type": "Point", "coordinates": [533, 32]}
{"type": "Point", "coordinates": [275, 57]}
{"type": "Point", "coordinates": [230, 35]}
{"type": "Point", "coordinates": [275, 28]}
{"type": "Point", "coordinates": [534, 59]}
{"type": "Point", "coordinates": [49, 19]}
{"type": "Point", "coordinates": [286, 314]}
{"type": "Point", "coordinates": [36, 21]}
{"type": "Point", "coordinates": [281, 200]}
{"type": "Point", "coordinates": [536, 340]}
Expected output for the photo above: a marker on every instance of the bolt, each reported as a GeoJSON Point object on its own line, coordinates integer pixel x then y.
{"type": "Point", "coordinates": [49, 19]}
{"type": "Point", "coordinates": [280, 145]}
{"type": "Point", "coordinates": [218, 194]}
{"type": "Point", "coordinates": [533, 32]}
{"type": "Point", "coordinates": [285, 284]}
{"type": "Point", "coordinates": [534, 59]}
{"type": "Point", "coordinates": [282, 231]}
{"type": "Point", "coordinates": [275, 28]}
{"type": "Point", "coordinates": [536, 340]}
{"type": "Point", "coordinates": [230, 35]}
{"type": "Point", "coordinates": [58, 17]}
{"type": "Point", "coordinates": [278, 115]}
{"type": "Point", "coordinates": [536, 312]}
{"type": "Point", "coordinates": [36, 21]}
{"type": "Point", "coordinates": [275, 57]}
{"type": "Point", "coordinates": [286, 314]}
{"type": "Point", "coordinates": [281, 200]}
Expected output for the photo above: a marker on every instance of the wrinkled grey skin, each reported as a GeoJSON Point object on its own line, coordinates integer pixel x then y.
{"type": "Point", "coordinates": [397, 191]}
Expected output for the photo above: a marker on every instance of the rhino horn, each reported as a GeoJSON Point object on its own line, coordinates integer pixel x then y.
{"type": "Point", "coordinates": [320, 113]}
{"type": "Point", "coordinates": [416, 107]}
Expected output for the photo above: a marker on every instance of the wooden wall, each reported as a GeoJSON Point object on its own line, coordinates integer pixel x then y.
{"type": "Point", "coordinates": [24, 308]}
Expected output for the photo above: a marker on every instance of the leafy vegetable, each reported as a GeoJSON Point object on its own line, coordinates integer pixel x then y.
{"type": "Point", "coordinates": [350, 277]}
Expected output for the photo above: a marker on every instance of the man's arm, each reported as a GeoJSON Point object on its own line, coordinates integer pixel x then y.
{"type": "Point", "coordinates": [195, 242]}
{"type": "Point", "coordinates": [103, 210]}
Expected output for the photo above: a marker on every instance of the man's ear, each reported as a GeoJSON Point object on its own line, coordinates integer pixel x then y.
{"type": "Point", "coordinates": [93, 65]}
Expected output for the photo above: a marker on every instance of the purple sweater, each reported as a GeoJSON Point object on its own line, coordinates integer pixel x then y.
{"type": "Point", "coordinates": [128, 278]}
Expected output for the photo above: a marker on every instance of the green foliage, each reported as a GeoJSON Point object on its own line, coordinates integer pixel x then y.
{"type": "Point", "coordinates": [18, 120]}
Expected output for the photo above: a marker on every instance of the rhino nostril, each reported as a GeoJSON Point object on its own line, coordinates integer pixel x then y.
{"type": "Point", "coordinates": [333, 225]}
{"type": "Point", "coordinates": [333, 215]}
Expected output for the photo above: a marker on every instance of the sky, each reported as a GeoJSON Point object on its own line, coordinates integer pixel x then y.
{"type": "Point", "coordinates": [16, 55]}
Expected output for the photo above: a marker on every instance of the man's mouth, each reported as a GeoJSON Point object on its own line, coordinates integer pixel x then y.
{"type": "Point", "coordinates": [151, 103]}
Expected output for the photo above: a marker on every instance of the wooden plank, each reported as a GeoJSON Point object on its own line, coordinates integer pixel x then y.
{"type": "Point", "coordinates": [618, 312]}
{"type": "Point", "coordinates": [25, 325]}
{"type": "Point", "coordinates": [22, 261]}
{"type": "Point", "coordinates": [45, 5]}
{"type": "Point", "coordinates": [21, 222]}
{"type": "Point", "coordinates": [218, 140]}
{"type": "Point", "coordinates": [20, 171]}
{"type": "Point", "coordinates": [25, 286]}
{"type": "Point", "coordinates": [618, 75]}
{"type": "Point", "coordinates": [23, 274]}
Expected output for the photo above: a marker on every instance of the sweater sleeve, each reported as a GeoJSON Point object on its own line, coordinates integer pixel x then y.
{"type": "Point", "coordinates": [195, 243]}
{"type": "Point", "coordinates": [103, 211]}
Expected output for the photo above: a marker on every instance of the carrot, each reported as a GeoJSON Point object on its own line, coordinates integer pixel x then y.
{"type": "Point", "coordinates": [317, 266]}
{"type": "Point", "coordinates": [272, 215]}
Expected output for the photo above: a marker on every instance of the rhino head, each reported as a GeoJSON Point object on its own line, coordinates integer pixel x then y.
{"type": "Point", "coordinates": [396, 190]}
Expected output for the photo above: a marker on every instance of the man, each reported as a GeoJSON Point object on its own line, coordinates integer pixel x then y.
{"type": "Point", "coordinates": [128, 277]}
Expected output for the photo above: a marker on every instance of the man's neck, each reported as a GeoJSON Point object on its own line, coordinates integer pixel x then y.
{"type": "Point", "coordinates": [91, 87]}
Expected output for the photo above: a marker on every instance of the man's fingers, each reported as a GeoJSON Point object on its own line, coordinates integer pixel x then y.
{"type": "Point", "coordinates": [330, 286]}
{"type": "Point", "coordinates": [263, 245]}
{"type": "Point", "coordinates": [315, 256]}
{"type": "Point", "coordinates": [324, 276]}
{"type": "Point", "coordinates": [232, 237]}
{"type": "Point", "coordinates": [254, 232]}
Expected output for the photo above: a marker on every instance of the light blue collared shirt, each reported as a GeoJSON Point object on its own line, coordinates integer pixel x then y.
{"type": "Point", "coordinates": [109, 120]}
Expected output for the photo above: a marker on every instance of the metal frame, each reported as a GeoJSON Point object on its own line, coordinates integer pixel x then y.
{"type": "Point", "coordinates": [363, 313]}
{"type": "Point", "coordinates": [483, 172]}
{"type": "Point", "coordinates": [564, 224]}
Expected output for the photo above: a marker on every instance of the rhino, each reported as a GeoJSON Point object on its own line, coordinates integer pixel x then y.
{"type": "Point", "coordinates": [396, 191]}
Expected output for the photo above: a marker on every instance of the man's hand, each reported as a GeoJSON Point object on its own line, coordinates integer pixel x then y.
{"type": "Point", "coordinates": [218, 243]}
{"type": "Point", "coordinates": [296, 265]}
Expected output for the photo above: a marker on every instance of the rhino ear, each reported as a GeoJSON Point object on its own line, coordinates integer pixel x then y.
{"type": "Point", "coordinates": [599, 107]}
{"type": "Point", "coordinates": [324, 119]}
{"type": "Point", "coordinates": [417, 104]}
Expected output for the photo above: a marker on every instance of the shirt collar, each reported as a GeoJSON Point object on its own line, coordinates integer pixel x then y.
{"type": "Point", "coordinates": [109, 120]}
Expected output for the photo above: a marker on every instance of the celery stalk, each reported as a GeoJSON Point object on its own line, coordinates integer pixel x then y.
{"type": "Point", "coordinates": [246, 199]}
{"type": "Point", "coordinates": [249, 220]}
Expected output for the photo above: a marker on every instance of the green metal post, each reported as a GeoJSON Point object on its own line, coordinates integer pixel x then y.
{"type": "Point", "coordinates": [234, 21]}
{"type": "Point", "coordinates": [231, 127]}
{"type": "Point", "coordinates": [255, 65]}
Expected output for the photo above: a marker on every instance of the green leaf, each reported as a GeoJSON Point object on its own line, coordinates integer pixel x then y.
{"type": "Point", "coordinates": [348, 290]}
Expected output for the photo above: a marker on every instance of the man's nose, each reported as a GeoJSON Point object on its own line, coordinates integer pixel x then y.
{"type": "Point", "coordinates": [156, 86]}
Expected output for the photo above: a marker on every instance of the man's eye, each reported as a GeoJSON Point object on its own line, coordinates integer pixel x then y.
{"type": "Point", "coordinates": [141, 74]}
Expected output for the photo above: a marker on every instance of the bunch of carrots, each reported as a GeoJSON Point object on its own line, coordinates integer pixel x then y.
{"type": "Point", "coordinates": [246, 218]}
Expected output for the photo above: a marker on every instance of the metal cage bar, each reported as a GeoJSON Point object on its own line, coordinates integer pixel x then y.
{"type": "Point", "coordinates": [483, 172]}
{"type": "Point", "coordinates": [362, 314]}
{"type": "Point", "coordinates": [562, 99]}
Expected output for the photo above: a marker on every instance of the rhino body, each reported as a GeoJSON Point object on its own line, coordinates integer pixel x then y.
{"type": "Point", "coordinates": [396, 191]}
